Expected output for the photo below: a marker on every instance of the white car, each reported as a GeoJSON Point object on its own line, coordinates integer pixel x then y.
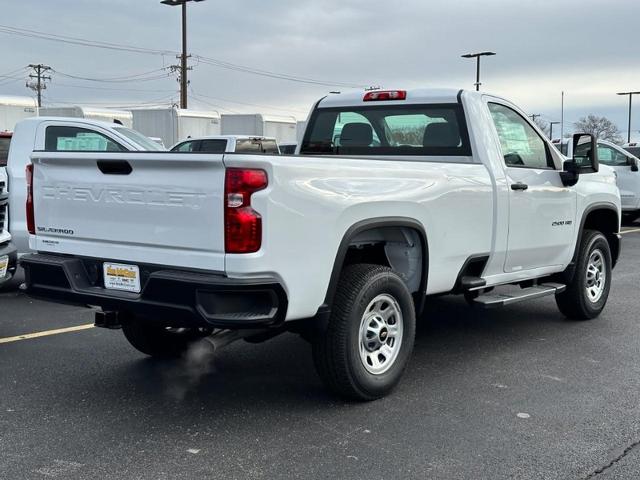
{"type": "Point", "coordinates": [228, 144]}
{"type": "Point", "coordinates": [424, 192]}
{"type": "Point", "coordinates": [625, 165]}
{"type": "Point", "coordinates": [59, 134]}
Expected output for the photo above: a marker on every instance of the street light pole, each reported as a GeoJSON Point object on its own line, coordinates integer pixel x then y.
{"type": "Point", "coordinates": [184, 82]}
{"type": "Point", "coordinates": [477, 57]}
{"type": "Point", "coordinates": [631, 94]}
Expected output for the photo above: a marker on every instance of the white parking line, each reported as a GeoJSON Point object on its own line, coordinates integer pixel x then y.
{"type": "Point", "coordinates": [632, 230]}
{"type": "Point", "coordinates": [46, 333]}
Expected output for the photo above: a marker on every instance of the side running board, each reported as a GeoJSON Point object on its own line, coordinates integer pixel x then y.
{"type": "Point", "coordinates": [494, 300]}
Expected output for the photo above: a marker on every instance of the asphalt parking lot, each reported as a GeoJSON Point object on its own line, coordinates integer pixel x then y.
{"type": "Point", "coordinates": [512, 393]}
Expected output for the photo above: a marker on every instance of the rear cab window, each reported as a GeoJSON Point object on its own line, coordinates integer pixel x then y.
{"type": "Point", "coordinates": [257, 145]}
{"type": "Point", "coordinates": [77, 139]}
{"type": "Point", "coordinates": [413, 129]}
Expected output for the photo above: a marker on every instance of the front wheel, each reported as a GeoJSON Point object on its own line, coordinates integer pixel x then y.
{"type": "Point", "coordinates": [370, 335]}
{"type": "Point", "coordinates": [588, 291]}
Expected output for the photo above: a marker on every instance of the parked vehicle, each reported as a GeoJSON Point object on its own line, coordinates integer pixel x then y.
{"type": "Point", "coordinates": [625, 164]}
{"type": "Point", "coordinates": [172, 124]}
{"type": "Point", "coordinates": [426, 192]}
{"type": "Point", "coordinates": [283, 129]}
{"type": "Point", "coordinates": [288, 148]}
{"type": "Point", "coordinates": [5, 141]}
{"type": "Point", "coordinates": [633, 148]}
{"type": "Point", "coordinates": [228, 144]}
{"type": "Point", "coordinates": [109, 115]}
{"type": "Point", "coordinates": [14, 109]}
{"type": "Point", "coordinates": [8, 253]}
{"type": "Point", "coordinates": [57, 134]}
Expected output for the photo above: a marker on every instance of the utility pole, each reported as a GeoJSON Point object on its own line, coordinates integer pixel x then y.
{"type": "Point", "coordinates": [38, 74]}
{"type": "Point", "coordinates": [551, 124]}
{"type": "Point", "coordinates": [184, 82]}
{"type": "Point", "coordinates": [562, 116]}
{"type": "Point", "coordinates": [533, 116]}
{"type": "Point", "coordinates": [631, 94]}
{"type": "Point", "coordinates": [477, 57]}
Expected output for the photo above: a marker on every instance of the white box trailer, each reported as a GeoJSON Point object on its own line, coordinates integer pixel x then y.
{"type": "Point", "coordinates": [14, 109]}
{"type": "Point", "coordinates": [109, 115]}
{"type": "Point", "coordinates": [172, 124]}
{"type": "Point", "coordinates": [282, 128]}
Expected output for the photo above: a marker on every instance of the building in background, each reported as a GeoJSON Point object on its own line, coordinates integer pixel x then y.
{"type": "Point", "coordinates": [172, 124]}
{"type": "Point", "coordinates": [14, 109]}
{"type": "Point", "coordinates": [109, 115]}
{"type": "Point", "coordinates": [282, 128]}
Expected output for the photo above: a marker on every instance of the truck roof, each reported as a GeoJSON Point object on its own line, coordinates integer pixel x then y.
{"type": "Point", "coordinates": [87, 121]}
{"type": "Point", "coordinates": [414, 96]}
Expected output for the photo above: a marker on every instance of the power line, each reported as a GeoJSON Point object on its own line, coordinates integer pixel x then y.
{"type": "Point", "coordinates": [206, 60]}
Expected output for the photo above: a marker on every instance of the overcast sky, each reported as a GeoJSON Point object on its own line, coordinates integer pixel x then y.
{"type": "Point", "coordinates": [588, 48]}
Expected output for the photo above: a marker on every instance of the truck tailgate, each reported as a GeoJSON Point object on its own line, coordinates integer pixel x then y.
{"type": "Point", "coordinates": [153, 208]}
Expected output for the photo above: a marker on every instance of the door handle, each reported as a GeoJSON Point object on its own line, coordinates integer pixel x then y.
{"type": "Point", "coordinates": [114, 167]}
{"type": "Point", "coordinates": [519, 186]}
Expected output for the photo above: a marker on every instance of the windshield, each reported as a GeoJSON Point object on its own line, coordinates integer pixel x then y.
{"type": "Point", "coordinates": [4, 150]}
{"type": "Point", "coordinates": [144, 142]}
{"type": "Point", "coordinates": [388, 130]}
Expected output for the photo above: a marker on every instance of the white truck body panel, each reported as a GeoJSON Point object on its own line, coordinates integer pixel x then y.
{"type": "Point", "coordinates": [464, 203]}
{"type": "Point", "coordinates": [172, 124]}
{"type": "Point", "coordinates": [101, 114]}
{"type": "Point", "coordinates": [282, 128]}
{"type": "Point", "coordinates": [14, 109]}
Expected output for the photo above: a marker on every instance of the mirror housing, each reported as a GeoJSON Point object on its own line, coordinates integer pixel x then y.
{"type": "Point", "coordinates": [585, 159]}
{"type": "Point", "coordinates": [634, 164]}
{"type": "Point", "coordinates": [585, 153]}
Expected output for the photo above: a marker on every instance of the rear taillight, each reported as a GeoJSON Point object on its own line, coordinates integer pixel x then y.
{"type": "Point", "coordinates": [381, 95]}
{"type": "Point", "coordinates": [242, 224]}
{"type": "Point", "coordinates": [31, 223]}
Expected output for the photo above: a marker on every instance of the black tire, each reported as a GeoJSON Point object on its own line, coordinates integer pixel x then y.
{"type": "Point", "coordinates": [574, 302]}
{"type": "Point", "coordinates": [161, 342]}
{"type": "Point", "coordinates": [336, 351]}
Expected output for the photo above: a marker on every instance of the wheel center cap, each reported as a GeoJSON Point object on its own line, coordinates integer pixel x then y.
{"type": "Point", "coordinates": [383, 335]}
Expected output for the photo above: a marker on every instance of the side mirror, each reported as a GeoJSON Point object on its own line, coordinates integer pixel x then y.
{"type": "Point", "coordinates": [570, 173]}
{"type": "Point", "coordinates": [634, 164]}
{"type": "Point", "coordinates": [585, 153]}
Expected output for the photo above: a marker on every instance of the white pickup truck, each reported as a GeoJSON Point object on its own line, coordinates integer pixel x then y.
{"type": "Point", "coordinates": [396, 196]}
{"type": "Point", "coordinates": [62, 134]}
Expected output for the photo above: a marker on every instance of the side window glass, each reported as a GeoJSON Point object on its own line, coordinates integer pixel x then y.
{"type": "Point", "coordinates": [610, 156]}
{"type": "Point", "coordinates": [76, 139]}
{"type": "Point", "coordinates": [521, 144]}
{"type": "Point", "coordinates": [186, 147]}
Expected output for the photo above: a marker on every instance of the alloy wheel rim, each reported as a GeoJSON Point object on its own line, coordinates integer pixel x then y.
{"type": "Point", "coordinates": [596, 276]}
{"type": "Point", "coordinates": [380, 335]}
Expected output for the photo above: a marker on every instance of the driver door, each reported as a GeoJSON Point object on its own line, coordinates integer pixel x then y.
{"type": "Point", "coordinates": [542, 211]}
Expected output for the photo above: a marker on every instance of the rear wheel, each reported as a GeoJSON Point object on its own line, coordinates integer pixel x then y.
{"type": "Point", "coordinates": [158, 341]}
{"type": "Point", "coordinates": [587, 294]}
{"type": "Point", "coordinates": [369, 338]}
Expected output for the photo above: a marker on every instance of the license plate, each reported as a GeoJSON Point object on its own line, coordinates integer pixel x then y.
{"type": "Point", "coordinates": [4, 265]}
{"type": "Point", "coordinates": [121, 277]}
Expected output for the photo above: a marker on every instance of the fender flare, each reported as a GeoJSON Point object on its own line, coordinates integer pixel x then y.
{"type": "Point", "coordinates": [591, 208]}
{"type": "Point", "coordinates": [369, 224]}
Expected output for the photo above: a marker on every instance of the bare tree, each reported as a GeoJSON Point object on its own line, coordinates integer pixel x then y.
{"type": "Point", "coordinates": [542, 125]}
{"type": "Point", "coordinates": [600, 127]}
